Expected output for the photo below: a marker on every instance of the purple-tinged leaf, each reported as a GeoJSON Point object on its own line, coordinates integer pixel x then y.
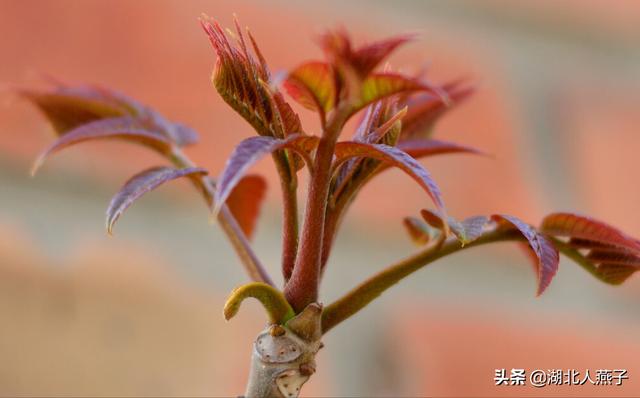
{"type": "Point", "coordinates": [245, 201]}
{"type": "Point", "coordinates": [395, 157]}
{"type": "Point", "coordinates": [581, 227]}
{"type": "Point", "coordinates": [545, 251]}
{"type": "Point", "coordinates": [312, 86]}
{"type": "Point", "coordinates": [466, 231]}
{"type": "Point", "coordinates": [142, 183]}
{"type": "Point", "coordinates": [70, 107]}
{"type": "Point", "coordinates": [250, 151]}
{"type": "Point", "coordinates": [469, 229]}
{"type": "Point", "coordinates": [419, 232]}
{"type": "Point", "coordinates": [370, 120]}
{"type": "Point", "coordinates": [124, 128]}
{"type": "Point", "coordinates": [378, 134]}
{"type": "Point", "coordinates": [419, 148]}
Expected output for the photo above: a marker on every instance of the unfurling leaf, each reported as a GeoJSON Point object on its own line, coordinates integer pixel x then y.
{"type": "Point", "coordinates": [237, 77]}
{"type": "Point", "coordinates": [124, 128]}
{"type": "Point", "coordinates": [382, 85]}
{"type": "Point", "coordinates": [250, 151]}
{"type": "Point", "coordinates": [608, 253]}
{"type": "Point", "coordinates": [469, 229]}
{"type": "Point", "coordinates": [393, 123]}
{"type": "Point", "coordinates": [245, 201]}
{"type": "Point", "coordinates": [466, 231]}
{"type": "Point", "coordinates": [278, 309]}
{"type": "Point", "coordinates": [364, 59]}
{"type": "Point", "coordinates": [394, 157]}
{"type": "Point", "coordinates": [312, 85]}
{"type": "Point", "coordinates": [545, 251]}
{"type": "Point", "coordinates": [419, 232]}
{"type": "Point", "coordinates": [380, 124]}
{"type": "Point", "coordinates": [142, 183]}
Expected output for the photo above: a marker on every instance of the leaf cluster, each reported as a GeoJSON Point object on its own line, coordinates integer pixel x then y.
{"type": "Point", "coordinates": [398, 116]}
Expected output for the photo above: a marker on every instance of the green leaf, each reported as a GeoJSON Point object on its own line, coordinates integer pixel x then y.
{"type": "Point", "coordinates": [312, 86]}
{"type": "Point", "coordinates": [382, 85]}
{"type": "Point", "coordinates": [278, 309]}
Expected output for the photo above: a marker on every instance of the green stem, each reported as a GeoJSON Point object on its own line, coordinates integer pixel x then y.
{"type": "Point", "coordinates": [373, 287]}
{"type": "Point", "coordinates": [229, 225]}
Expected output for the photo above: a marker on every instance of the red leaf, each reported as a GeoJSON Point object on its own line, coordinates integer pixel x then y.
{"type": "Point", "coordinates": [68, 108]}
{"type": "Point", "coordinates": [125, 128]}
{"type": "Point", "coordinates": [419, 148]}
{"type": "Point", "coordinates": [418, 231]}
{"type": "Point", "coordinates": [615, 274]}
{"type": "Point", "coordinates": [312, 85]}
{"type": "Point", "coordinates": [432, 218]}
{"type": "Point", "coordinates": [290, 120]}
{"type": "Point", "coordinates": [545, 251]}
{"type": "Point", "coordinates": [245, 200]}
{"type": "Point", "coordinates": [576, 226]}
{"type": "Point", "coordinates": [426, 109]}
{"type": "Point", "coordinates": [608, 257]}
{"type": "Point", "coordinates": [366, 58]}
{"type": "Point", "coordinates": [250, 151]}
{"type": "Point", "coordinates": [395, 157]}
{"type": "Point", "coordinates": [603, 250]}
{"type": "Point", "coordinates": [142, 183]}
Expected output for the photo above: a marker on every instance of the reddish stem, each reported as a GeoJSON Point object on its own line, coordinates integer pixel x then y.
{"type": "Point", "coordinates": [302, 287]}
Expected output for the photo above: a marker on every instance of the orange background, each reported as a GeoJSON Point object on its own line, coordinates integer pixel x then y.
{"type": "Point", "coordinates": [139, 314]}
